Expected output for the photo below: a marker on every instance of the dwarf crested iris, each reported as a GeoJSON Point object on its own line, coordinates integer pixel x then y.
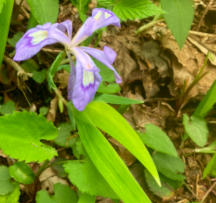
{"type": "Point", "coordinates": [84, 78]}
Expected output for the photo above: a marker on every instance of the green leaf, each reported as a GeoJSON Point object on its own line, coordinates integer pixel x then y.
{"type": "Point", "coordinates": [64, 133]}
{"type": "Point", "coordinates": [53, 68]}
{"type": "Point", "coordinates": [22, 173]}
{"type": "Point", "coordinates": [30, 66]}
{"type": "Point", "coordinates": [196, 128]}
{"type": "Point", "coordinates": [166, 191]}
{"type": "Point", "coordinates": [21, 134]}
{"type": "Point", "coordinates": [15, 39]}
{"type": "Point", "coordinates": [44, 11]}
{"type": "Point", "coordinates": [136, 9]}
{"type": "Point", "coordinates": [108, 89]}
{"type": "Point", "coordinates": [12, 197]}
{"type": "Point", "coordinates": [44, 110]}
{"type": "Point", "coordinates": [114, 99]}
{"type": "Point", "coordinates": [63, 194]}
{"type": "Point", "coordinates": [88, 179]}
{"type": "Point", "coordinates": [86, 198]}
{"type": "Point", "coordinates": [2, 2]}
{"type": "Point", "coordinates": [5, 181]}
{"type": "Point", "coordinates": [107, 161]}
{"type": "Point", "coordinates": [106, 3]}
{"type": "Point", "coordinates": [169, 166]}
{"type": "Point", "coordinates": [210, 168]}
{"type": "Point", "coordinates": [39, 76]}
{"type": "Point", "coordinates": [207, 102]}
{"type": "Point", "coordinates": [109, 120]}
{"type": "Point", "coordinates": [156, 139]}
{"type": "Point", "coordinates": [179, 18]}
{"type": "Point", "coordinates": [5, 17]}
{"type": "Point", "coordinates": [7, 108]}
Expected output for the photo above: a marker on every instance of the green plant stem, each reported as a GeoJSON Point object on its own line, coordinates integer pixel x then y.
{"type": "Point", "coordinates": [41, 169]}
{"type": "Point", "coordinates": [148, 25]}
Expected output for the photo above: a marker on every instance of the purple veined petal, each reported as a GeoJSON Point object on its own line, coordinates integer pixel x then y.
{"type": "Point", "coordinates": [100, 18]}
{"type": "Point", "coordinates": [85, 86]}
{"type": "Point", "coordinates": [66, 26]}
{"type": "Point", "coordinates": [85, 60]}
{"type": "Point", "coordinates": [106, 57]}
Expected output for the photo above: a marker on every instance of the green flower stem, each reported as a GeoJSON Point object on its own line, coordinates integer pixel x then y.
{"type": "Point", "coordinates": [205, 150]}
{"type": "Point", "coordinates": [41, 169]}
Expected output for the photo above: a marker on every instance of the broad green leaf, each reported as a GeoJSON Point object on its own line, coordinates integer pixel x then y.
{"type": "Point", "coordinates": [32, 22]}
{"type": "Point", "coordinates": [88, 179]}
{"type": "Point", "coordinates": [114, 99]}
{"type": "Point", "coordinates": [21, 134]}
{"type": "Point", "coordinates": [166, 191]}
{"type": "Point", "coordinates": [12, 197]}
{"type": "Point", "coordinates": [108, 162]}
{"type": "Point", "coordinates": [64, 135]}
{"type": "Point", "coordinates": [207, 102]}
{"type": "Point", "coordinates": [5, 181]}
{"type": "Point", "coordinates": [135, 9]}
{"type": "Point", "coordinates": [30, 66]}
{"type": "Point", "coordinates": [70, 114]}
{"type": "Point", "coordinates": [210, 168]}
{"type": "Point", "coordinates": [179, 18]}
{"type": "Point", "coordinates": [5, 17]}
{"type": "Point", "coordinates": [169, 166]}
{"type": "Point", "coordinates": [7, 108]}
{"type": "Point", "coordinates": [86, 198]}
{"type": "Point", "coordinates": [196, 128]}
{"type": "Point", "coordinates": [22, 173]}
{"type": "Point", "coordinates": [39, 76]}
{"type": "Point", "coordinates": [156, 139]}
{"type": "Point", "coordinates": [2, 2]}
{"type": "Point", "coordinates": [109, 120]}
{"type": "Point", "coordinates": [44, 110]}
{"type": "Point", "coordinates": [106, 2]}
{"type": "Point", "coordinates": [15, 39]}
{"type": "Point", "coordinates": [108, 89]}
{"type": "Point", "coordinates": [63, 194]}
{"type": "Point", "coordinates": [53, 68]}
{"type": "Point", "coordinates": [44, 11]}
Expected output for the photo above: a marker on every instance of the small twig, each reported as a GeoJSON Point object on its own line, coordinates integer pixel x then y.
{"type": "Point", "coordinates": [20, 72]}
{"type": "Point", "coordinates": [185, 184]}
{"type": "Point", "coordinates": [207, 193]}
{"type": "Point", "coordinates": [148, 25]}
{"type": "Point", "coordinates": [202, 34]}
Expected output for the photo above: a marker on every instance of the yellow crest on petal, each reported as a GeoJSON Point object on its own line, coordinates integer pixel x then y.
{"type": "Point", "coordinates": [38, 36]}
{"type": "Point", "coordinates": [88, 78]}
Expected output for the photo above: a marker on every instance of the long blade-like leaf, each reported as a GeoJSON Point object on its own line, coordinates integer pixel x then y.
{"type": "Point", "coordinates": [110, 121]}
{"type": "Point", "coordinates": [107, 161]}
{"type": "Point", "coordinates": [5, 18]}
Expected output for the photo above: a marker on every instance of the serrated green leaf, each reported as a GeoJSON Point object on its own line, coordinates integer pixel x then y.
{"type": "Point", "coordinates": [15, 39]}
{"type": "Point", "coordinates": [21, 134]}
{"type": "Point", "coordinates": [5, 181]}
{"type": "Point", "coordinates": [210, 168]}
{"type": "Point", "coordinates": [156, 139]}
{"type": "Point", "coordinates": [106, 2]}
{"type": "Point", "coordinates": [64, 133]}
{"type": "Point", "coordinates": [86, 198]}
{"type": "Point", "coordinates": [165, 191]}
{"type": "Point", "coordinates": [2, 2]}
{"type": "Point", "coordinates": [108, 162]}
{"type": "Point", "coordinates": [63, 194]}
{"type": "Point", "coordinates": [196, 128]}
{"type": "Point", "coordinates": [5, 17]}
{"type": "Point", "coordinates": [136, 9]}
{"type": "Point", "coordinates": [7, 108]}
{"type": "Point", "coordinates": [88, 179]}
{"type": "Point", "coordinates": [12, 197]}
{"type": "Point", "coordinates": [110, 121]}
{"type": "Point", "coordinates": [44, 11]}
{"type": "Point", "coordinates": [39, 76]}
{"type": "Point", "coordinates": [169, 166]}
{"type": "Point", "coordinates": [114, 99]}
{"type": "Point", "coordinates": [179, 18]}
{"type": "Point", "coordinates": [22, 173]}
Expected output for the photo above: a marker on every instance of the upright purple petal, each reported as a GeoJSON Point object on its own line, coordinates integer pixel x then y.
{"type": "Point", "coordinates": [100, 18]}
{"type": "Point", "coordinates": [36, 38]}
{"type": "Point", "coordinates": [85, 86]}
{"type": "Point", "coordinates": [66, 26]}
{"type": "Point", "coordinates": [72, 78]}
{"type": "Point", "coordinates": [106, 57]}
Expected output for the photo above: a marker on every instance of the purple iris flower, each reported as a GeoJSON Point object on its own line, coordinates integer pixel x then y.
{"type": "Point", "coordinates": [84, 79]}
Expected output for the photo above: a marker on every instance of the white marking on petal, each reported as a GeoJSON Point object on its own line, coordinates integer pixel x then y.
{"type": "Point", "coordinates": [98, 15]}
{"type": "Point", "coordinates": [38, 36]}
{"type": "Point", "coordinates": [88, 78]}
{"type": "Point", "coordinates": [107, 15]}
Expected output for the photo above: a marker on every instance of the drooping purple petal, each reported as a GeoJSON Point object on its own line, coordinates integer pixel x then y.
{"type": "Point", "coordinates": [72, 78]}
{"type": "Point", "coordinates": [100, 18]}
{"type": "Point", "coordinates": [36, 38]}
{"type": "Point", "coordinates": [85, 86]}
{"type": "Point", "coordinates": [106, 57]}
{"type": "Point", "coordinates": [85, 60]}
{"type": "Point", "coordinates": [66, 26]}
